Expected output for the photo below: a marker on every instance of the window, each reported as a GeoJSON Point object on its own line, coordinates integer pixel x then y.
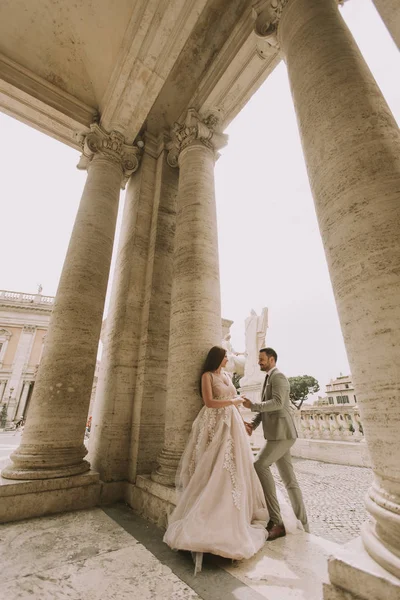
{"type": "Point", "coordinates": [331, 400]}
{"type": "Point", "coordinates": [4, 338]}
{"type": "Point", "coordinates": [342, 400]}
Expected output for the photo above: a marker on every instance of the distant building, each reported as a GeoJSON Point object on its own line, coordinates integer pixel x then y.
{"type": "Point", "coordinates": [338, 391]}
{"type": "Point", "coordinates": [24, 320]}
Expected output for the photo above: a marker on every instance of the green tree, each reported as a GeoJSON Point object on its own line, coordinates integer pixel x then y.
{"type": "Point", "coordinates": [300, 388]}
{"type": "Point", "coordinates": [3, 416]}
{"type": "Point", "coordinates": [235, 380]}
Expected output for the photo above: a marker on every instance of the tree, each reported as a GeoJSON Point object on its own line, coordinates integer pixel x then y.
{"type": "Point", "coordinates": [236, 381]}
{"type": "Point", "coordinates": [300, 387]}
{"type": "Point", "coordinates": [3, 416]}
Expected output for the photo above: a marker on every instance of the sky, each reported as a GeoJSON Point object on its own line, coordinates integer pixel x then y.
{"type": "Point", "coordinates": [263, 203]}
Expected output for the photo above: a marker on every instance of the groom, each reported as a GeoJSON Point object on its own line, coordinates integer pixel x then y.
{"type": "Point", "coordinates": [280, 432]}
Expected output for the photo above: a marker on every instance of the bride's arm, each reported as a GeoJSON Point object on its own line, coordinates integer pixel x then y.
{"type": "Point", "coordinates": [206, 392]}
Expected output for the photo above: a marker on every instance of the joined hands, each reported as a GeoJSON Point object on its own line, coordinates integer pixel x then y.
{"type": "Point", "coordinates": [246, 402]}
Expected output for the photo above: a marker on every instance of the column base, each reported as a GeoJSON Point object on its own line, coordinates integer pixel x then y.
{"type": "Point", "coordinates": [165, 474]}
{"type": "Point", "coordinates": [26, 499]}
{"type": "Point", "coordinates": [29, 462]}
{"type": "Point", "coordinates": [353, 574]}
{"type": "Point", "coordinates": [151, 500]}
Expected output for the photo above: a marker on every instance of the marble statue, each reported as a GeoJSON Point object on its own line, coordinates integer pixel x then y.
{"type": "Point", "coordinates": [255, 332]}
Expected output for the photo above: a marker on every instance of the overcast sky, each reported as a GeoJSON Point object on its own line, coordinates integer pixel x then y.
{"type": "Point", "coordinates": [263, 200]}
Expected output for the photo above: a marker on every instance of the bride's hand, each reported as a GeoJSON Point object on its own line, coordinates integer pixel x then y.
{"type": "Point", "coordinates": [237, 401]}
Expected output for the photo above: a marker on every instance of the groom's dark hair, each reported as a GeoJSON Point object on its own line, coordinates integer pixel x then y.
{"type": "Point", "coordinates": [270, 352]}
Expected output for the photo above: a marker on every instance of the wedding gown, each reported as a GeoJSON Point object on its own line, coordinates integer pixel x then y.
{"type": "Point", "coordinates": [221, 507]}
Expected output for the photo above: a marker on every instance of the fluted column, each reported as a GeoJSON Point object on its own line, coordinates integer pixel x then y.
{"type": "Point", "coordinates": [351, 145]}
{"type": "Point", "coordinates": [195, 299]}
{"type": "Point", "coordinates": [52, 443]}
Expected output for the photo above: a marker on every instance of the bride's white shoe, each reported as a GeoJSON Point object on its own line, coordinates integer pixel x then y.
{"type": "Point", "coordinates": [198, 561]}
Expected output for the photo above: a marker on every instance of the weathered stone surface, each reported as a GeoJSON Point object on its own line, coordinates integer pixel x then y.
{"type": "Point", "coordinates": [52, 443]}
{"type": "Point", "coordinates": [26, 499]}
{"type": "Point", "coordinates": [195, 298]}
{"type": "Point", "coordinates": [84, 554]}
{"type": "Point", "coordinates": [352, 149]}
{"type": "Point", "coordinates": [130, 400]}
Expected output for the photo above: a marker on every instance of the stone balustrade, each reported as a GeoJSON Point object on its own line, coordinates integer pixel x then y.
{"type": "Point", "coordinates": [334, 423]}
{"type": "Point", "coordinates": [20, 297]}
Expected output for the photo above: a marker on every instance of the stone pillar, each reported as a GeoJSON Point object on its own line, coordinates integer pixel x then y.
{"type": "Point", "coordinates": [389, 11]}
{"type": "Point", "coordinates": [20, 363]}
{"type": "Point", "coordinates": [128, 420]}
{"type": "Point", "coordinates": [52, 442]}
{"type": "Point", "coordinates": [2, 389]}
{"type": "Point", "coordinates": [22, 401]}
{"type": "Point", "coordinates": [351, 145]}
{"type": "Point", "coordinates": [148, 423]}
{"type": "Point", "coordinates": [195, 301]}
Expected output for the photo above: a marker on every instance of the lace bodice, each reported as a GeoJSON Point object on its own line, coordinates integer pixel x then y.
{"type": "Point", "coordinates": [222, 386]}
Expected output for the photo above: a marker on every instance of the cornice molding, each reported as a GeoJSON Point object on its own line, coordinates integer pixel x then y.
{"type": "Point", "coordinates": [37, 102]}
{"type": "Point", "coordinates": [236, 73]}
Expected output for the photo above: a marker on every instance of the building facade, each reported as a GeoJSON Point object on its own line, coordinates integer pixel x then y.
{"type": "Point", "coordinates": [24, 321]}
{"type": "Point", "coordinates": [339, 391]}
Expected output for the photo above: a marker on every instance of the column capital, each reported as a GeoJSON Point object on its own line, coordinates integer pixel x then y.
{"type": "Point", "coordinates": [29, 328]}
{"type": "Point", "coordinates": [267, 14]}
{"type": "Point", "coordinates": [111, 146]}
{"type": "Point", "coordinates": [195, 129]}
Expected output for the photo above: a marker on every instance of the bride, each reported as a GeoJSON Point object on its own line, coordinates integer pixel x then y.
{"type": "Point", "coordinates": [221, 507]}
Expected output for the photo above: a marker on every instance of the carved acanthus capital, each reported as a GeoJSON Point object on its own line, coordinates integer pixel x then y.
{"type": "Point", "coordinates": [112, 146]}
{"type": "Point", "coordinates": [195, 129]}
{"type": "Point", "coordinates": [267, 14]}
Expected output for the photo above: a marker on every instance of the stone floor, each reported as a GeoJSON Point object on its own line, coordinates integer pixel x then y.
{"type": "Point", "coordinates": [112, 554]}
{"type": "Point", "coordinates": [334, 497]}
{"type": "Point", "coordinates": [334, 494]}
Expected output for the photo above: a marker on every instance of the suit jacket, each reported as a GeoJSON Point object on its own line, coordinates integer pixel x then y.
{"type": "Point", "coordinates": [274, 410]}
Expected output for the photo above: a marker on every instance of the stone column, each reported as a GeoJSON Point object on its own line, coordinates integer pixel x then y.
{"type": "Point", "coordinates": [389, 11]}
{"type": "Point", "coordinates": [22, 401]}
{"type": "Point", "coordinates": [195, 299]}
{"type": "Point", "coordinates": [2, 389]}
{"type": "Point", "coordinates": [128, 420]}
{"type": "Point", "coordinates": [351, 145]}
{"type": "Point", "coordinates": [52, 442]}
{"type": "Point", "coordinates": [20, 363]}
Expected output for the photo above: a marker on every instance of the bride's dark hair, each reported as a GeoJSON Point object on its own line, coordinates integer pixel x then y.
{"type": "Point", "coordinates": [214, 359]}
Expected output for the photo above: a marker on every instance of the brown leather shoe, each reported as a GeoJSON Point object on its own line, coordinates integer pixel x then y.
{"type": "Point", "coordinates": [270, 525]}
{"type": "Point", "coordinates": [276, 532]}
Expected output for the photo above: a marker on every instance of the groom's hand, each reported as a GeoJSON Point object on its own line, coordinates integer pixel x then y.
{"type": "Point", "coordinates": [246, 403]}
{"type": "Point", "coordinates": [249, 428]}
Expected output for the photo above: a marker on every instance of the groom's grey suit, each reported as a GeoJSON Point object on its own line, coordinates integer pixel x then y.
{"type": "Point", "coordinates": [274, 413]}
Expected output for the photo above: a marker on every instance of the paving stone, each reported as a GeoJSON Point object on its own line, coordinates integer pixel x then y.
{"type": "Point", "coordinates": [334, 497]}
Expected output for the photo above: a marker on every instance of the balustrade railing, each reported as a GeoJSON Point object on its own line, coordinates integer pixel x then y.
{"type": "Point", "coordinates": [21, 298]}
{"type": "Point", "coordinates": [336, 423]}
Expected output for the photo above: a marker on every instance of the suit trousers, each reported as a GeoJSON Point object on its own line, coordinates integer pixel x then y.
{"type": "Point", "coordinates": [278, 451]}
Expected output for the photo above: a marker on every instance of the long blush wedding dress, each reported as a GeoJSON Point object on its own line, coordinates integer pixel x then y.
{"type": "Point", "coordinates": [221, 507]}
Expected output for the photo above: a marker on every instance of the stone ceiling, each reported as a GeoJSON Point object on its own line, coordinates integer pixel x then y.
{"type": "Point", "coordinates": [130, 61]}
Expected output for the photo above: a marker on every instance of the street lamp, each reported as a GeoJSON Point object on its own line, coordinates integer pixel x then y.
{"type": "Point", "coordinates": [10, 396]}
